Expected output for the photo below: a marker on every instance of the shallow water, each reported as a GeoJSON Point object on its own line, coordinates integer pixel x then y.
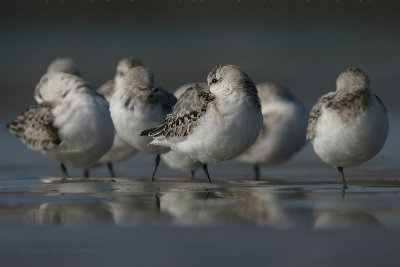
{"type": "Point", "coordinates": [51, 221]}
{"type": "Point", "coordinates": [303, 193]}
{"type": "Point", "coordinates": [182, 202]}
{"type": "Point", "coordinates": [297, 209]}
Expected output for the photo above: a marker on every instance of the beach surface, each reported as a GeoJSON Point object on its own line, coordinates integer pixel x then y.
{"type": "Point", "coordinates": [298, 214]}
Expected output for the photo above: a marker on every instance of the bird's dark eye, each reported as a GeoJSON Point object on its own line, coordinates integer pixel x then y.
{"type": "Point", "coordinates": [214, 80]}
{"type": "Point", "coordinates": [120, 73]}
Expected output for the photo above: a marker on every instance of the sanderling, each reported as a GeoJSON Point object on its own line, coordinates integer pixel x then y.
{"type": "Point", "coordinates": [136, 106]}
{"type": "Point", "coordinates": [71, 125]}
{"type": "Point", "coordinates": [284, 128]}
{"type": "Point", "coordinates": [349, 126]}
{"type": "Point", "coordinates": [213, 124]}
{"type": "Point", "coordinates": [63, 65]}
{"type": "Point", "coordinates": [108, 88]}
{"type": "Point", "coordinates": [174, 159]}
{"type": "Point", "coordinates": [120, 149]}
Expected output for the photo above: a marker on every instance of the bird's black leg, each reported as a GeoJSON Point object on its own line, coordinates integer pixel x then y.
{"type": "Point", "coordinates": [156, 162]}
{"type": "Point", "coordinates": [64, 170]}
{"type": "Point", "coordinates": [207, 194]}
{"type": "Point", "coordinates": [192, 174]}
{"type": "Point", "coordinates": [158, 202]}
{"type": "Point", "coordinates": [340, 169]}
{"type": "Point", "coordinates": [256, 172]}
{"type": "Point", "coordinates": [205, 169]}
{"type": "Point", "coordinates": [86, 173]}
{"type": "Point", "coordinates": [110, 169]}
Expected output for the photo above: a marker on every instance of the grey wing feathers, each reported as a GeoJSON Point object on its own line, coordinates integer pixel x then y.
{"type": "Point", "coordinates": [312, 120]}
{"type": "Point", "coordinates": [185, 114]}
{"type": "Point", "coordinates": [35, 127]}
{"type": "Point", "coordinates": [315, 113]}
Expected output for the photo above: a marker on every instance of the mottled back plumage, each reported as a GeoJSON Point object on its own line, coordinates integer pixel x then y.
{"type": "Point", "coordinates": [351, 98]}
{"type": "Point", "coordinates": [35, 127]}
{"type": "Point", "coordinates": [183, 119]}
{"type": "Point", "coordinates": [314, 115]}
{"type": "Point", "coordinates": [182, 89]}
{"type": "Point", "coordinates": [124, 65]}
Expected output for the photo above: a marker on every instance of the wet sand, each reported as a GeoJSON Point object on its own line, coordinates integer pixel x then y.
{"type": "Point", "coordinates": [53, 221]}
{"type": "Point", "coordinates": [297, 214]}
{"type": "Point", "coordinates": [275, 204]}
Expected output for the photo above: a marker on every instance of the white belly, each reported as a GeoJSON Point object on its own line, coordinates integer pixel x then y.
{"type": "Point", "coordinates": [86, 132]}
{"type": "Point", "coordinates": [222, 137]}
{"type": "Point", "coordinates": [130, 123]}
{"type": "Point", "coordinates": [179, 161]}
{"type": "Point", "coordinates": [343, 144]}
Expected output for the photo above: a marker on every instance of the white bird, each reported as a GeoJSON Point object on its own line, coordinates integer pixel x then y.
{"type": "Point", "coordinates": [68, 65]}
{"type": "Point", "coordinates": [284, 128]}
{"type": "Point", "coordinates": [120, 150]}
{"type": "Point", "coordinates": [109, 87]}
{"type": "Point", "coordinates": [71, 124]}
{"type": "Point", "coordinates": [59, 65]}
{"type": "Point", "coordinates": [136, 106]}
{"type": "Point", "coordinates": [215, 124]}
{"type": "Point", "coordinates": [174, 159]}
{"type": "Point", "coordinates": [349, 126]}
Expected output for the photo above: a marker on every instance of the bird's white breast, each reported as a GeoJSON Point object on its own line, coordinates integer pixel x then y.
{"type": "Point", "coordinates": [129, 123]}
{"type": "Point", "coordinates": [229, 127]}
{"type": "Point", "coordinates": [179, 161]}
{"type": "Point", "coordinates": [343, 143]}
{"type": "Point", "coordinates": [85, 128]}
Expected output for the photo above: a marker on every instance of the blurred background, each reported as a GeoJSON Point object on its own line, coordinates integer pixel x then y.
{"type": "Point", "coordinates": [301, 44]}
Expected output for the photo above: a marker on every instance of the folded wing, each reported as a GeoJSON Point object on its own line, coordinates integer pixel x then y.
{"type": "Point", "coordinates": [35, 127]}
{"type": "Point", "coordinates": [185, 114]}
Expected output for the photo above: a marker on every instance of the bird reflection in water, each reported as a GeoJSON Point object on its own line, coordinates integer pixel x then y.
{"type": "Point", "coordinates": [161, 205]}
{"type": "Point", "coordinates": [68, 214]}
{"type": "Point", "coordinates": [345, 218]}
